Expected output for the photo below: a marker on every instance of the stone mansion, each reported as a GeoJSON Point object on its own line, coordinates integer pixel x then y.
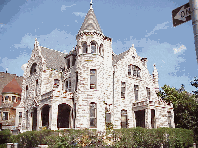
{"type": "Point", "coordinates": [90, 86]}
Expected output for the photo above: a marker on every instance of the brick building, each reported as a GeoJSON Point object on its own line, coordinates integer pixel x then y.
{"type": "Point", "coordinates": [10, 97]}
{"type": "Point", "coordinates": [91, 86]}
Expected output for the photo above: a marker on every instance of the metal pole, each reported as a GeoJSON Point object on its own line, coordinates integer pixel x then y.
{"type": "Point", "coordinates": [194, 16]}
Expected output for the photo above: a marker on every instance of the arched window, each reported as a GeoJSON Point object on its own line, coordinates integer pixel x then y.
{"type": "Point", "coordinates": [84, 47]}
{"type": "Point", "coordinates": [33, 68]}
{"type": "Point", "coordinates": [93, 46]}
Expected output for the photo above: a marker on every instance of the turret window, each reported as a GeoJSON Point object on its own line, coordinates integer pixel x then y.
{"type": "Point", "coordinates": [93, 115]}
{"type": "Point", "coordinates": [84, 47]}
{"type": "Point", "coordinates": [13, 98]}
{"type": "Point", "coordinates": [6, 98]}
{"type": "Point", "coordinates": [93, 47]}
{"type": "Point", "coordinates": [93, 79]}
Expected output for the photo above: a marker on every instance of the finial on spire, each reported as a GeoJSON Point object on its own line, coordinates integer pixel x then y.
{"type": "Point", "coordinates": [132, 45]}
{"type": "Point", "coordinates": [91, 5]}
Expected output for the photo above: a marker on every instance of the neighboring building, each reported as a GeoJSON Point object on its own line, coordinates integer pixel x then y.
{"type": "Point", "coordinates": [90, 86]}
{"type": "Point", "coordinates": [10, 97]}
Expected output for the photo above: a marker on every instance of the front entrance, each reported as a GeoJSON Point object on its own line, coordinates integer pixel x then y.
{"type": "Point", "coordinates": [140, 118]}
{"type": "Point", "coordinates": [63, 116]}
{"type": "Point", "coordinates": [34, 119]}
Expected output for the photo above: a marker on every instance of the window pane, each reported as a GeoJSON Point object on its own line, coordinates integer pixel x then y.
{"type": "Point", "coordinates": [6, 98]}
{"type": "Point", "coordinates": [93, 48]}
{"type": "Point", "coordinates": [93, 79]}
{"type": "Point", "coordinates": [108, 117]}
{"type": "Point", "coordinates": [93, 122]}
{"type": "Point", "coordinates": [84, 48]}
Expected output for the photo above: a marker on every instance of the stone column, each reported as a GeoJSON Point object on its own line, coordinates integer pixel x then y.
{"type": "Point", "coordinates": [54, 116]}
{"type": "Point", "coordinates": [50, 117]}
{"type": "Point", "coordinates": [148, 118]}
{"type": "Point", "coordinates": [88, 48]}
{"type": "Point", "coordinates": [39, 121]}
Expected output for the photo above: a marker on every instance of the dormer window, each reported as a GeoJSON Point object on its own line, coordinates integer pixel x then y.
{"type": "Point", "coordinates": [33, 68]}
{"type": "Point", "coordinates": [84, 47]}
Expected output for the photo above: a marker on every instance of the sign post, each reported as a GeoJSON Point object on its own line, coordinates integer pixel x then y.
{"type": "Point", "coordinates": [181, 15]}
{"type": "Point", "coordinates": [194, 13]}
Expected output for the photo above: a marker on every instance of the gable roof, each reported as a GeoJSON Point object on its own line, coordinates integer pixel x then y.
{"type": "Point", "coordinates": [90, 23]}
{"type": "Point", "coordinates": [116, 58]}
{"type": "Point", "coordinates": [54, 59]}
{"type": "Point", "coordinates": [12, 87]}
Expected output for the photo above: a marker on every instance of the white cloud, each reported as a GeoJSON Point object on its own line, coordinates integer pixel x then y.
{"type": "Point", "coordinates": [181, 48]}
{"type": "Point", "coordinates": [76, 21]}
{"type": "Point", "coordinates": [26, 42]}
{"type": "Point", "coordinates": [167, 63]}
{"type": "Point", "coordinates": [79, 14]}
{"type": "Point", "coordinates": [158, 27]}
{"type": "Point", "coordinates": [23, 67]}
{"type": "Point", "coordinates": [63, 7]}
{"type": "Point", "coordinates": [14, 65]}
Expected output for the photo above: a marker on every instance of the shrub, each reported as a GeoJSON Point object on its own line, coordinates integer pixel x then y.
{"type": "Point", "coordinates": [5, 136]}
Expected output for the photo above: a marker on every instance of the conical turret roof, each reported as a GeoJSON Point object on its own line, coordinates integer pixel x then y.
{"type": "Point", "coordinates": [12, 87]}
{"type": "Point", "coordinates": [90, 22]}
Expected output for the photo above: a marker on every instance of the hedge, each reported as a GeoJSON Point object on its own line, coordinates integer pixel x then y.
{"type": "Point", "coordinates": [130, 137]}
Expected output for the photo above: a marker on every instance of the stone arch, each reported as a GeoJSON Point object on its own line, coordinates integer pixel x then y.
{"type": "Point", "coordinates": [45, 115]}
{"type": "Point", "coordinates": [94, 46]}
{"type": "Point", "coordinates": [33, 68]}
{"type": "Point", "coordinates": [84, 47]}
{"type": "Point", "coordinates": [63, 119]}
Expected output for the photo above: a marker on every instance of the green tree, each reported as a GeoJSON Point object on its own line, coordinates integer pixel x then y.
{"type": "Point", "coordinates": [195, 84]}
{"type": "Point", "coordinates": [185, 107]}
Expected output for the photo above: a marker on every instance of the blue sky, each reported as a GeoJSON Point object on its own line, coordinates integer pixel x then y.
{"type": "Point", "coordinates": [145, 23]}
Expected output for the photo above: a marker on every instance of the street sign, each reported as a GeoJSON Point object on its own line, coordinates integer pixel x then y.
{"type": "Point", "coordinates": [181, 15]}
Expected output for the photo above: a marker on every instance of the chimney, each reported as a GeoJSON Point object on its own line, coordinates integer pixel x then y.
{"type": "Point", "coordinates": [6, 70]}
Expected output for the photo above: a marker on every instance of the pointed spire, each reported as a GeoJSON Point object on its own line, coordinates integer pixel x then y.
{"type": "Point", "coordinates": [90, 22]}
{"type": "Point", "coordinates": [36, 44]}
{"type": "Point", "coordinates": [91, 5]}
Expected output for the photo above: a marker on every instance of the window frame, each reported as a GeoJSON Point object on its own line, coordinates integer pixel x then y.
{"type": "Point", "coordinates": [93, 105]}
{"type": "Point", "coordinates": [14, 98]}
{"type": "Point", "coordinates": [91, 74]}
{"type": "Point", "coordinates": [124, 114]}
{"type": "Point", "coordinates": [33, 68]}
{"type": "Point", "coordinates": [5, 116]}
{"type": "Point", "coordinates": [123, 86]}
{"type": "Point", "coordinates": [136, 89]}
{"type": "Point", "coordinates": [134, 71]}
{"type": "Point", "coordinates": [148, 91]}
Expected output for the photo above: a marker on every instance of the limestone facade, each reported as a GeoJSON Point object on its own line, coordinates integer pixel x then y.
{"type": "Point", "coordinates": [91, 86]}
